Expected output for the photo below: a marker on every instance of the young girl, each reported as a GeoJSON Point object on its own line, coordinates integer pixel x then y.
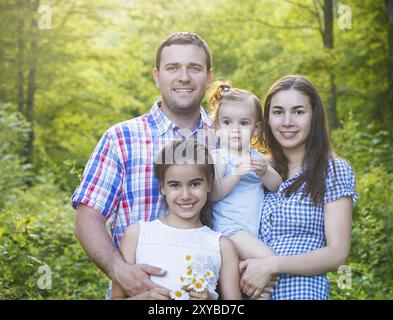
{"type": "Point", "coordinates": [195, 257]}
{"type": "Point", "coordinates": [241, 171]}
{"type": "Point", "coordinates": [308, 221]}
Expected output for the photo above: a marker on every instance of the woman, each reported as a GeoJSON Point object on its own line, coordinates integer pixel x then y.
{"type": "Point", "coordinates": [308, 221]}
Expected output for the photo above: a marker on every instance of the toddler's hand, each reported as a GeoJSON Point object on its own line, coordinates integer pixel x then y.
{"type": "Point", "coordinates": [260, 166]}
{"type": "Point", "coordinates": [242, 168]}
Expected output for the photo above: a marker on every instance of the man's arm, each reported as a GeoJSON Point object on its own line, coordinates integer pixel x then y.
{"type": "Point", "coordinates": [90, 230]}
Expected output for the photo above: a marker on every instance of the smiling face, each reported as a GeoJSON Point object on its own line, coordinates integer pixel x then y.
{"type": "Point", "coordinates": [185, 187]}
{"type": "Point", "coordinates": [236, 123]}
{"type": "Point", "coordinates": [290, 116]}
{"type": "Point", "coordinates": [182, 79]}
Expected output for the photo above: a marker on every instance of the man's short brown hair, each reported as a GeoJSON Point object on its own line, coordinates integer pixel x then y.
{"type": "Point", "coordinates": [184, 38]}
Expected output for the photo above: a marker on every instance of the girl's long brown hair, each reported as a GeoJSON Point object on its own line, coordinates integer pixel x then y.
{"type": "Point", "coordinates": [318, 146]}
{"type": "Point", "coordinates": [180, 152]}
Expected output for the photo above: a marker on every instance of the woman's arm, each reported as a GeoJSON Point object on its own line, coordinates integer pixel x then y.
{"type": "Point", "coordinates": [338, 226]}
{"type": "Point", "coordinates": [338, 229]}
{"type": "Point", "coordinates": [229, 275]}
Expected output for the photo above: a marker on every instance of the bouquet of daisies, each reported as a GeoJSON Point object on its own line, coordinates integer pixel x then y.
{"type": "Point", "coordinates": [193, 280]}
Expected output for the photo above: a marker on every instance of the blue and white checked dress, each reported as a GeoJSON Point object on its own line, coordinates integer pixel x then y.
{"type": "Point", "coordinates": [291, 226]}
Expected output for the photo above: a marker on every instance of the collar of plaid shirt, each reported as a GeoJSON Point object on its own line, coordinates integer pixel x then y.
{"type": "Point", "coordinates": [163, 123]}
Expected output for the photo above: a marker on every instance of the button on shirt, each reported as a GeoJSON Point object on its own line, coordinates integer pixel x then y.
{"type": "Point", "coordinates": [294, 225]}
{"type": "Point", "coordinates": [119, 180]}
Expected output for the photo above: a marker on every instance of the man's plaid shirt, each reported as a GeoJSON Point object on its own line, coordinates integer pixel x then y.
{"type": "Point", "coordinates": [119, 180]}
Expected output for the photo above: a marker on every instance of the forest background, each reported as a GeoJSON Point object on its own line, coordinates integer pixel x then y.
{"type": "Point", "coordinates": [71, 69]}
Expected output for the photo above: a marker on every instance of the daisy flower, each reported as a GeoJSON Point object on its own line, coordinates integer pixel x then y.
{"type": "Point", "coordinates": [209, 274]}
{"type": "Point", "coordinates": [185, 281]}
{"type": "Point", "coordinates": [189, 272]}
{"type": "Point", "coordinates": [199, 286]}
{"type": "Point", "coordinates": [200, 278]}
{"type": "Point", "coordinates": [179, 295]}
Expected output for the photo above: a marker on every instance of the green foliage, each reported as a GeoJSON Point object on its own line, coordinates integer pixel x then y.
{"type": "Point", "coordinates": [37, 230]}
{"type": "Point", "coordinates": [13, 135]}
{"type": "Point", "coordinates": [93, 69]}
{"type": "Point", "coordinates": [365, 148]}
{"type": "Point", "coordinates": [371, 258]}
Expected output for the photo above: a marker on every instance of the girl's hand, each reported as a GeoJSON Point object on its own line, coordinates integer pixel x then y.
{"type": "Point", "coordinates": [260, 166]}
{"type": "Point", "coordinates": [256, 275]}
{"type": "Point", "coordinates": [205, 295]}
{"type": "Point", "coordinates": [153, 294]}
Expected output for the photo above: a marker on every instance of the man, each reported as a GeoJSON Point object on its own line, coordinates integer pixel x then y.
{"type": "Point", "coordinates": [118, 183]}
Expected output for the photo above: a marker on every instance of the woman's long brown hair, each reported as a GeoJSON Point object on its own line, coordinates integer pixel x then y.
{"type": "Point", "coordinates": [318, 146]}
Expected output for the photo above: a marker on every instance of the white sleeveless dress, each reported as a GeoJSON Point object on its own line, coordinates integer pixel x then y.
{"type": "Point", "coordinates": [167, 247]}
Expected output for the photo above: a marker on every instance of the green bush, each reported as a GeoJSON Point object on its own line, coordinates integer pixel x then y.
{"type": "Point", "coordinates": [13, 135]}
{"type": "Point", "coordinates": [37, 230]}
{"type": "Point", "coordinates": [371, 259]}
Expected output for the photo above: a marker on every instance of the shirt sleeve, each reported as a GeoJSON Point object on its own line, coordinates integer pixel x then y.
{"type": "Point", "coordinates": [269, 205]}
{"type": "Point", "coordinates": [101, 181]}
{"type": "Point", "coordinates": [340, 181]}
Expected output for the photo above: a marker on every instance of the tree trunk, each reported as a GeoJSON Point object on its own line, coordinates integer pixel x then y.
{"type": "Point", "coordinates": [20, 60]}
{"type": "Point", "coordinates": [389, 9]}
{"type": "Point", "coordinates": [328, 43]}
{"type": "Point", "coordinates": [332, 101]}
{"type": "Point", "coordinates": [31, 87]}
{"type": "Point", "coordinates": [328, 24]}
{"type": "Point", "coordinates": [30, 98]}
